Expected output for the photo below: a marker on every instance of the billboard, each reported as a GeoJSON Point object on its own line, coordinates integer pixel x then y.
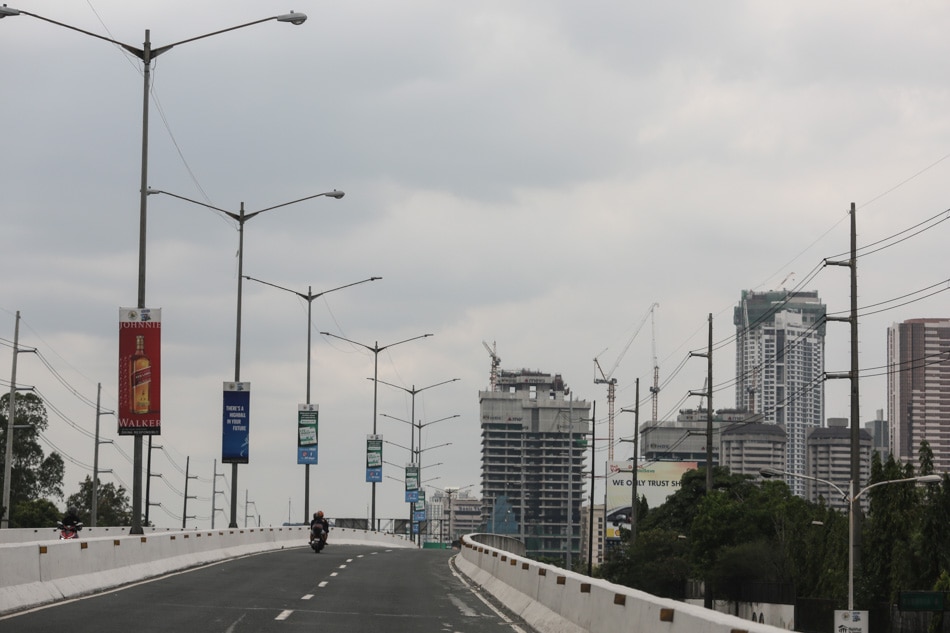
{"type": "Point", "coordinates": [235, 435]}
{"type": "Point", "coordinates": [140, 363]}
{"type": "Point", "coordinates": [655, 482]}
{"type": "Point", "coordinates": [374, 458]}
{"type": "Point", "coordinates": [307, 432]}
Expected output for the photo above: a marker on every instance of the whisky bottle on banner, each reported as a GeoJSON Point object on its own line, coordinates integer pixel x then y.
{"type": "Point", "coordinates": [141, 373]}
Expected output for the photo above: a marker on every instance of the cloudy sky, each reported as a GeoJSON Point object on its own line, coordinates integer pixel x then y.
{"type": "Point", "coordinates": [528, 174]}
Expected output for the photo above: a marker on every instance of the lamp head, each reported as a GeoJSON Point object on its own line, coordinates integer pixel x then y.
{"type": "Point", "coordinates": [294, 18]}
{"type": "Point", "coordinates": [7, 11]}
{"type": "Point", "coordinates": [930, 479]}
{"type": "Point", "coordinates": [335, 194]}
{"type": "Point", "coordinates": [770, 472]}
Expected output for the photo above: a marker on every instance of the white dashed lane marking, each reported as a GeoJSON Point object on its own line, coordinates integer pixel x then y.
{"type": "Point", "coordinates": [283, 615]}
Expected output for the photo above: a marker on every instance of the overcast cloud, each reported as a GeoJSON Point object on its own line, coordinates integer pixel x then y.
{"type": "Point", "coordinates": [535, 174]}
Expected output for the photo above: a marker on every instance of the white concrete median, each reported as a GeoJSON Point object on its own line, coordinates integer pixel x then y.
{"type": "Point", "coordinates": [39, 571]}
{"type": "Point", "coordinates": [554, 600]}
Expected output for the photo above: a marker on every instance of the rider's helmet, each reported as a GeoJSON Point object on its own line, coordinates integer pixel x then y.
{"type": "Point", "coordinates": [72, 510]}
{"type": "Point", "coordinates": [319, 514]}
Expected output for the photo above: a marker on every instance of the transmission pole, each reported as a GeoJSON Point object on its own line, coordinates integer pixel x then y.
{"type": "Point", "coordinates": [852, 375]}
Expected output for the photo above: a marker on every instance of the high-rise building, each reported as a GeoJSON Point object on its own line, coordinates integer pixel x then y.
{"type": "Point", "coordinates": [918, 389]}
{"type": "Point", "coordinates": [685, 439]}
{"type": "Point", "coordinates": [748, 447]}
{"type": "Point", "coordinates": [780, 362]}
{"type": "Point", "coordinates": [829, 459]}
{"type": "Point", "coordinates": [880, 435]}
{"type": "Point", "coordinates": [533, 457]}
{"type": "Point", "coordinates": [593, 543]}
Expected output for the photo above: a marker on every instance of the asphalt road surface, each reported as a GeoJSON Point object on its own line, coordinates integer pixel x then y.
{"type": "Point", "coordinates": [344, 588]}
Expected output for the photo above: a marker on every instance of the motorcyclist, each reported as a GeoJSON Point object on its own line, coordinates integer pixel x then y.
{"type": "Point", "coordinates": [71, 519]}
{"type": "Point", "coordinates": [319, 519]}
{"type": "Point", "coordinates": [70, 524]}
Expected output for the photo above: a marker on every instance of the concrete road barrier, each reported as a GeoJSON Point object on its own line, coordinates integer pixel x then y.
{"type": "Point", "coordinates": [555, 600]}
{"type": "Point", "coordinates": [40, 571]}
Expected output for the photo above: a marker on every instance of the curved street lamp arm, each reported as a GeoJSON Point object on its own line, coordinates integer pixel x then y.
{"type": "Point", "coordinates": [375, 350]}
{"type": "Point", "coordinates": [924, 479]}
{"type": "Point", "coordinates": [774, 472]}
{"type": "Point", "coordinates": [330, 194]}
{"type": "Point", "coordinates": [230, 214]}
{"type": "Point", "coordinates": [439, 420]}
{"type": "Point", "coordinates": [309, 297]}
{"type": "Point", "coordinates": [383, 382]}
{"type": "Point", "coordinates": [403, 341]}
{"type": "Point", "coordinates": [392, 417]}
{"type": "Point", "coordinates": [293, 18]}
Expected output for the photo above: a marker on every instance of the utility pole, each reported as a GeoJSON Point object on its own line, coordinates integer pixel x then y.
{"type": "Point", "coordinates": [94, 510]}
{"type": "Point", "coordinates": [707, 595]}
{"type": "Point", "coordinates": [215, 492]}
{"type": "Point", "coordinates": [635, 497]}
{"type": "Point", "coordinates": [184, 510]}
{"type": "Point", "coordinates": [148, 479]}
{"type": "Point", "coordinates": [593, 481]}
{"type": "Point", "coordinates": [11, 416]}
{"type": "Point", "coordinates": [852, 375]}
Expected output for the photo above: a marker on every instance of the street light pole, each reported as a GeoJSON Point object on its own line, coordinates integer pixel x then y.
{"type": "Point", "coordinates": [241, 217]}
{"type": "Point", "coordinates": [376, 349]}
{"type": "Point", "coordinates": [309, 297]}
{"type": "Point", "coordinates": [413, 428]}
{"type": "Point", "coordinates": [851, 497]}
{"type": "Point", "coordinates": [412, 392]}
{"type": "Point", "coordinates": [146, 54]}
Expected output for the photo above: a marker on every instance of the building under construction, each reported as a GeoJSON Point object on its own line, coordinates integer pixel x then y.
{"type": "Point", "coordinates": [534, 438]}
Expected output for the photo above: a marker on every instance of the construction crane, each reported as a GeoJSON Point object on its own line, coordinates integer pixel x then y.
{"type": "Point", "coordinates": [495, 364]}
{"type": "Point", "coordinates": [611, 387]}
{"type": "Point", "coordinates": [611, 383]}
{"type": "Point", "coordinates": [655, 389]}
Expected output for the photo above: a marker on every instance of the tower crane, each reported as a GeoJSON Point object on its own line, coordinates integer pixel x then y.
{"type": "Point", "coordinates": [495, 364]}
{"type": "Point", "coordinates": [655, 389]}
{"type": "Point", "coordinates": [611, 383]}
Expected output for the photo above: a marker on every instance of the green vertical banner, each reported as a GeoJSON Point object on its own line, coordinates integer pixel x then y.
{"type": "Point", "coordinates": [307, 433]}
{"type": "Point", "coordinates": [374, 458]}
{"type": "Point", "coordinates": [419, 512]}
{"type": "Point", "coordinates": [412, 483]}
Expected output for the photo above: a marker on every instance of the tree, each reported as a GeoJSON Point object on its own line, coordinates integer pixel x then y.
{"type": "Point", "coordinates": [659, 564]}
{"type": "Point", "coordinates": [34, 475]}
{"type": "Point", "coordinates": [36, 513]}
{"type": "Point", "coordinates": [112, 504]}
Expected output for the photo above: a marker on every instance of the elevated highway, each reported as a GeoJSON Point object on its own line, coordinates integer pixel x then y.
{"type": "Point", "coordinates": [45, 571]}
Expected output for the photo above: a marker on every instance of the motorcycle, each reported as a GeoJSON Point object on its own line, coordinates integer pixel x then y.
{"type": "Point", "coordinates": [318, 538]}
{"type": "Point", "coordinates": [67, 532]}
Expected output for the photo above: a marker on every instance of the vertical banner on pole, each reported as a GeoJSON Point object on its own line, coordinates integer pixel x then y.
{"type": "Point", "coordinates": [140, 345]}
{"type": "Point", "coordinates": [374, 458]}
{"type": "Point", "coordinates": [307, 433]}
{"type": "Point", "coordinates": [419, 513]}
{"type": "Point", "coordinates": [412, 483]}
{"type": "Point", "coordinates": [236, 420]}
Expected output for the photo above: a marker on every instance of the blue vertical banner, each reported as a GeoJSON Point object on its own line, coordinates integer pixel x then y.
{"type": "Point", "coordinates": [374, 458]}
{"type": "Point", "coordinates": [412, 483]}
{"type": "Point", "coordinates": [235, 436]}
{"type": "Point", "coordinates": [307, 432]}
